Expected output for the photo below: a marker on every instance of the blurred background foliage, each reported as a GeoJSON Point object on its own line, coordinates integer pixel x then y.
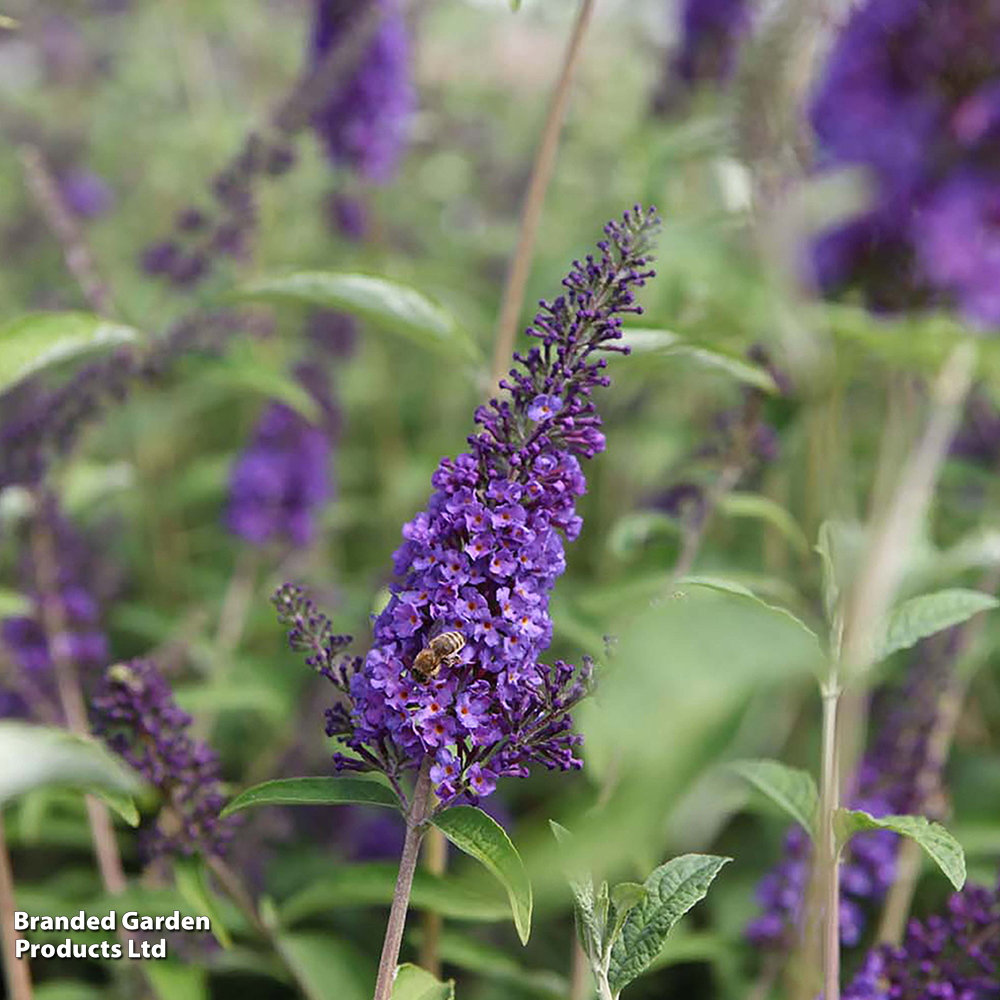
{"type": "Point", "coordinates": [153, 100]}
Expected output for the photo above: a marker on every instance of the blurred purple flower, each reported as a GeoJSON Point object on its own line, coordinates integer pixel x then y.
{"type": "Point", "coordinates": [953, 955]}
{"type": "Point", "coordinates": [85, 193]}
{"type": "Point", "coordinates": [135, 712]}
{"type": "Point", "coordinates": [483, 557]}
{"type": "Point", "coordinates": [364, 122]}
{"type": "Point", "coordinates": [911, 92]}
{"type": "Point", "coordinates": [710, 33]}
{"type": "Point", "coordinates": [30, 691]}
{"type": "Point", "coordinates": [281, 480]}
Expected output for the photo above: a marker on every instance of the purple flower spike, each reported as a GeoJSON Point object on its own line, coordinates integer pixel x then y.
{"type": "Point", "coordinates": [281, 480]}
{"type": "Point", "coordinates": [480, 561]}
{"type": "Point", "coordinates": [135, 712]}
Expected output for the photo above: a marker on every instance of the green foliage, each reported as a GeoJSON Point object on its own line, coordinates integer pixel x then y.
{"type": "Point", "coordinates": [174, 980]}
{"type": "Point", "coordinates": [481, 837]}
{"type": "Point", "coordinates": [324, 790]}
{"type": "Point", "coordinates": [30, 344]}
{"type": "Point", "coordinates": [671, 890]}
{"type": "Point", "coordinates": [325, 967]}
{"type": "Point", "coordinates": [792, 789]}
{"type": "Point", "coordinates": [38, 756]}
{"type": "Point", "coordinates": [915, 619]}
{"type": "Point", "coordinates": [192, 883]}
{"type": "Point", "coordinates": [943, 849]}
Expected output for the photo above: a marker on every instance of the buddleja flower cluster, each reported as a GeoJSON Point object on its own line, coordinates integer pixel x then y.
{"type": "Point", "coordinates": [135, 712]}
{"type": "Point", "coordinates": [911, 92]}
{"type": "Point", "coordinates": [892, 779]}
{"type": "Point", "coordinates": [483, 557]}
{"type": "Point", "coordinates": [954, 955]}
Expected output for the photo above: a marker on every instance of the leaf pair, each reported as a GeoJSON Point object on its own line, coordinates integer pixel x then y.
{"type": "Point", "coordinates": [623, 929]}
{"type": "Point", "coordinates": [469, 829]}
{"type": "Point", "coordinates": [795, 792]}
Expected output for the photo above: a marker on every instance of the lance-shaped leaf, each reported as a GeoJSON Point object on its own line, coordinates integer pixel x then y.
{"type": "Point", "coordinates": [189, 874]}
{"type": "Point", "coordinates": [37, 756]}
{"type": "Point", "coordinates": [37, 341]}
{"type": "Point", "coordinates": [940, 845]}
{"type": "Point", "coordinates": [325, 790]}
{"type": "Point", "coordinates": [915, 619]}
{"type": "Point", "coordinates": [789, 787]}
{"type": "Point", "coordinates": [414, 983]}
{"type": "Point", "coordinates": [392, 305]}
{"type": "Point", "coordinates": [481, 837]}
{"type": "Point", "coordinates": [671, 890]}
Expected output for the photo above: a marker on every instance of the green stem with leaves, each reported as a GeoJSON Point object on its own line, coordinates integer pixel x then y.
{"type": "Point", "coordinates": [829, 871]}
{"type": "Point", "coordinates": [416, 821]}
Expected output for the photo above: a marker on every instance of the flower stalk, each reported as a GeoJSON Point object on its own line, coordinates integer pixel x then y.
{"type": "Point", "coordinates": [416, 819]}
{"type": "Point", "coordinates": [17, 974]}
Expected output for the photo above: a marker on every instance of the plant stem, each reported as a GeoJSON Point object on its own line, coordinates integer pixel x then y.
{"type": "Point", "coordinates": [415, 823]}
{"type": "Point", "coordinates": [534, 200]}
{"type": "Point", "coordinates": [53, 620]}
{"type": "Point", "coordinates": [79, 260]}
{"type": "Point", "coordinates": [17, 973]}
{"type": "Point", "coordinates": [603, 986]}
{"type": "Point", "coordinates": [829, 874]}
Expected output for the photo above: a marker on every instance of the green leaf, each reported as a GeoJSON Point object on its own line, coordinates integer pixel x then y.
{"type": "Point", "coordinates": [515, 5]}
{"type": "Point", "coordinates": [624, 898]}
{"type": "Point", "coordinates": [739, 590]}
{"type": "Point", "coordinates": [481, 837]}
{"type": "Point", "coordinates": [792, 789]}
{"type": "Point", "coordinates": [177, 981]}
{"type": "Point", "coordinates": [940, 845]}
{"type": "Point", "coordinates": [326, 790]}
{"type": "Point", "coordinates": [919, 617]}
{"type": "Point", "coordinates": [765, 509]}
{"type": "Point", "coordinates": [326, 968]}
{"type": "Point", "coordinates": [37, 341]}
{"type": "Point", "coordinates": [454, 897]}
{"type": "Point", "coordinates": [414, 983]}
{"type": "Point", "coordinates": [589, 928]}
{"type": "Point", "coordinates": [38, 756]}
{"type": "Point", "coordinates": [391, 304]}
{"type": "Point", "coordinates": [672, 889]}
{"type": "Point", "coordinates": [189, 874]}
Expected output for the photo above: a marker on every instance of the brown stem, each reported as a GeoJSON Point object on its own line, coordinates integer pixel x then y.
{"type": "Point", "coordinates": [17, 972]}
{"type": "Point", "coordinates": [415, 821]}
{"type": "Point", "coordinates": [76, 253]}
{"type": "Point", "coordinates": [53, 620]}
{"type": "Point", "coordinates": [531, 212]}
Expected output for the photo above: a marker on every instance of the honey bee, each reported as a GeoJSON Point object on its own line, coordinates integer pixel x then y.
{"type": "Point", "coordinates": [441, 651]}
